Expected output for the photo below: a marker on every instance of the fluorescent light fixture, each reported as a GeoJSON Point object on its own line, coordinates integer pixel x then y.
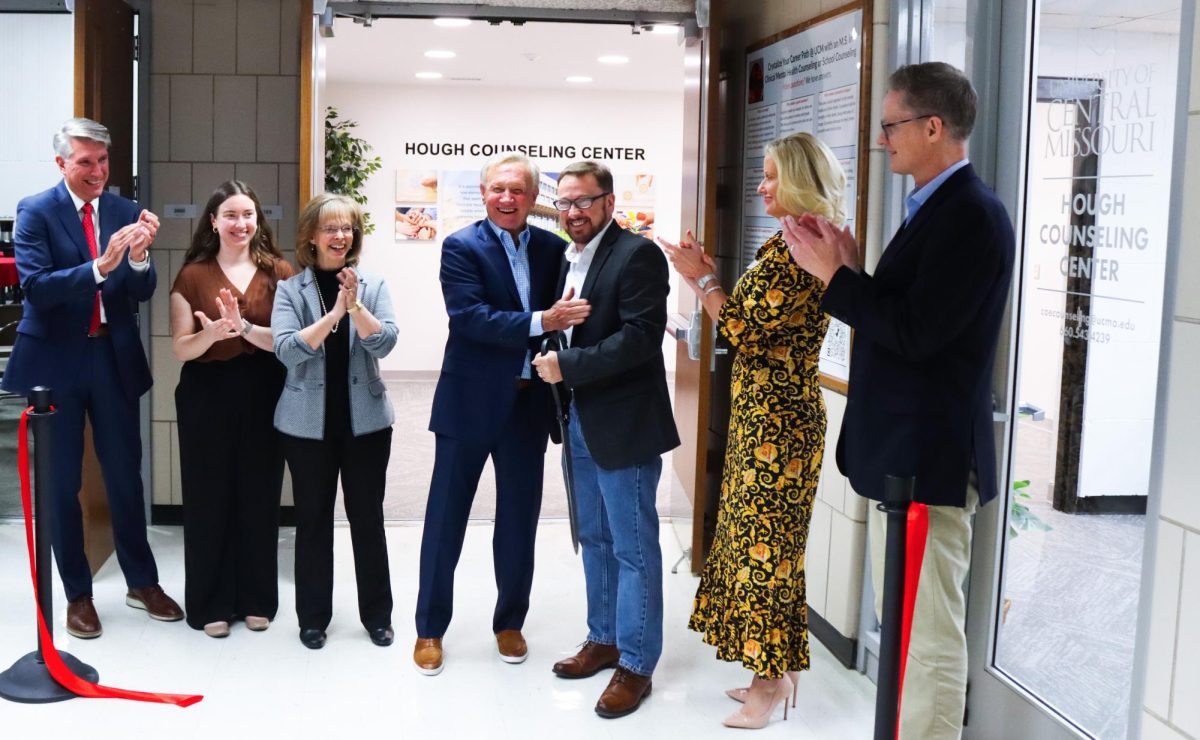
{"type": "Point", "coordinates": [451, 22]}
{"type": "Point", "coordinates": [664, 28]}
{"type": "Point", "coordinates": [440, 54]}
{"type": "Point", "coordinates": [579, 78]}
{"type": "Point", "coordinates": [613, 59]}
{"type": "Point", "coordinates": [429, 75]}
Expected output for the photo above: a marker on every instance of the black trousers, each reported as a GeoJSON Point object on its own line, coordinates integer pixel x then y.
{"type": "Point", "coordinates": [362, 464]}
{"type": "Point", "coordinates": [231, 471]}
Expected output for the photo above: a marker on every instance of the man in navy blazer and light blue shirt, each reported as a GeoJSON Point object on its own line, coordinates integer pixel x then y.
{"type": "Point", "coordinates": [83, 258]}
{"type": "Point", "coordinates": [498, 279]}
{"type": "Point", "coordinates": [926, 326]}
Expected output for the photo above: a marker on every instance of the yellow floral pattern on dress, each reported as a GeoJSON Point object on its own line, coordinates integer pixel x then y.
{"type": "Point", "coordinates": [751, 601]}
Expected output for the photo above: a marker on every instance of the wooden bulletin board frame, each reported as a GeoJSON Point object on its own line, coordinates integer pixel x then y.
{"type": "Point", "coordinates": [773, 69]}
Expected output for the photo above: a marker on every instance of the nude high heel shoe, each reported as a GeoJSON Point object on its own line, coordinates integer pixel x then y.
{"type": "Point", "coordinates": [739, 694]}
{"type": "Point", "coordinates": [740, 719]}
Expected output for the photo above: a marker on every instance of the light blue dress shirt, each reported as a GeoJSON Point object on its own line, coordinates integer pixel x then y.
{"type": "Point", "coordinates": [918, 197]}
{"type": "Point", "coordinates": [518, 259]}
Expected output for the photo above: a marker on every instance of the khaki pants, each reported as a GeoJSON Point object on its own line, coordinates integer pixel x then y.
{"type": "Point", "coordinates": [935, 679]}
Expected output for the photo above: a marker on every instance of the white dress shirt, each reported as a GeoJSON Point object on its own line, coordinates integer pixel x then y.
{"type": "Point", "coordinates": [580, 260]}
{"type": "Point", "coordinates": [139, 266]}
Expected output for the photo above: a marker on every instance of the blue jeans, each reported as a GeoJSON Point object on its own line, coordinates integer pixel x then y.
{"type": "Point", "coordinates": [622, 561]}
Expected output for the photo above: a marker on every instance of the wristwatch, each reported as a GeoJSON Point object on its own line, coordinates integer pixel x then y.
{"type": "Point", "coordinates": [357, 305]}
{"type": "Point", "coordinates": [246, 327]}
{"type": "Point", "coordinates": [704, 280]}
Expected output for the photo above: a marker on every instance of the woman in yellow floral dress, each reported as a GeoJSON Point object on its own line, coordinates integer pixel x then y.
{"type": "Point", "coordinates": [751, 601]}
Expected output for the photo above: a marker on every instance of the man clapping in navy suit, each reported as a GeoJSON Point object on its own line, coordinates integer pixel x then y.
{"type": "Point", "coordinates": [83, 258]}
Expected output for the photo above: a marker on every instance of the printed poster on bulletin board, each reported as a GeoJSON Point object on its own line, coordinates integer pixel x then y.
{"type": "Point", "coordinates": [814, 77]}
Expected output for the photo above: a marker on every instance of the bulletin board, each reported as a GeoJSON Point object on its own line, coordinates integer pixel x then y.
{"type": "Point", "coordinates": [813, 77]}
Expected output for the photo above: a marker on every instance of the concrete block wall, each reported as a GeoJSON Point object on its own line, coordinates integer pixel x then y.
{"type": "Point", "coordinates": [225, 103]}
{"type": "Point", "coordinates": [1170, 709]}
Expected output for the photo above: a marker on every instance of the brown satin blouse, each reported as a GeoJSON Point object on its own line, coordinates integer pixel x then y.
{"type": "Point", "coordinates": [200, 282]}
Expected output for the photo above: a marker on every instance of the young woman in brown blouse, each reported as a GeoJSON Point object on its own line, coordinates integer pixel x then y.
{"type": "Point", "coordinates": [231, 463]}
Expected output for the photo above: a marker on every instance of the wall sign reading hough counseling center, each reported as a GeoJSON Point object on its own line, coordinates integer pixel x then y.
{"type": "Point", "coordinates": [814, 77]}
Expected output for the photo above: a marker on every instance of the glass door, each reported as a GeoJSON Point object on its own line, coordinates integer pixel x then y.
{"type": "Point", "coordinates": [1091, 89]}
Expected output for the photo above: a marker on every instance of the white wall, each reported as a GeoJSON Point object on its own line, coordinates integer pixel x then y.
{"type": "Point", "coordinates": [1171, 711]}
{"type": "Point", "coordinates": [37, 75]}
{"type": "Point", "coordinates": [391, 116]}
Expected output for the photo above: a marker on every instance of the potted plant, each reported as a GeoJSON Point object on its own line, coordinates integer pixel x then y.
{"type": "Point", "coordinates": [347, 164]}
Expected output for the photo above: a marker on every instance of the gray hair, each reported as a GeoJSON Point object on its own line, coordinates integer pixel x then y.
{"type": "Point", "coordinates": [514, 157]}
{"type": "Point", "coordinates": [79, 128]}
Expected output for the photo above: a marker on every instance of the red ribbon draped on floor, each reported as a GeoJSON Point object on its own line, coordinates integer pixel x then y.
{"type": "Point", "coordinates": [58, 669]}
{"type": "Point", "coordinates": [918, 531]}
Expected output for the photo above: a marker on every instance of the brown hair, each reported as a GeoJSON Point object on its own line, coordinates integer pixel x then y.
{"type": "Point", "coordinates": [602, 174]}
{"type": "Point", "coordinates": [326, 207]}
{"type": "Point", "coordinates": [206, 242]}
{"type": "Point", "coordinates": [938, 89]}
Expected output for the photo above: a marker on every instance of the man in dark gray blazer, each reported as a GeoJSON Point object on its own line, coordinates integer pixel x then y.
{"type": "Point", "coordinates": [926, 325]}
{"type": "Point", "coordinates": [621, 424]}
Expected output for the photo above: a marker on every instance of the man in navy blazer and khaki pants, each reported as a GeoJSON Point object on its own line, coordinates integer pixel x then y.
{"type": "Point", "coordinates": [498, 278]}
{"type": "Point", "coordinates": [926, 326]}
{"type": "Point", "coordinates": [82, 255]}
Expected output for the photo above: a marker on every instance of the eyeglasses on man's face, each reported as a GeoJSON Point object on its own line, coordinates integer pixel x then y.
{"type": "Point", "coordinates": [887, 126]}
{"type": "Point", "coordinates": [335, 230]}
{"type": "Point", "coordinates": [584, 203]}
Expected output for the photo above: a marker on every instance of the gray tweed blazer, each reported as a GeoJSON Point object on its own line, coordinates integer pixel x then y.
{"type": "Point", "coordinates": [301, 408]}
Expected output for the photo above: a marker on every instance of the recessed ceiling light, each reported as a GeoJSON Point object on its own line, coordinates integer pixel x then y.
{"type": "Point", "coordinates": [664, 28]}
{"type": "Point", "coordinates": [440, 54]}
{"type": "Point", "coordinates": [451, 22]}
{"type": "Point", "coordinates": [579, 78]}
{"type": "Point", "coordinates": [613, 59]}
{"type": "Point", "coordinates": [429, 75]}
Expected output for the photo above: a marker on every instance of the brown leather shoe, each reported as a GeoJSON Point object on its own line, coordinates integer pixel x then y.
{"type": "Point", "coordinates": [82, 620]}
{"type": "Point", "coordinates": [624, 694]}
{"type": "Point", "coordinates": [427, 654]}
{"type": "Point", "coordinates": [511, 646]}
{"type": "Point", "coordinates": [155, 602]}
{"type": "Point", "coordinates": [592, 658]}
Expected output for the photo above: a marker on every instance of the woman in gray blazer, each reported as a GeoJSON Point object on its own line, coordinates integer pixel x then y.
{"type": "Point", "coordinates": [331, 325]}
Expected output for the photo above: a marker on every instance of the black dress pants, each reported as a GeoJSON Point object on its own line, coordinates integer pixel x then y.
{"type": "Point", "coordinates": [315, 465]}
{"type": "Point", "coordinates": [231, 471]}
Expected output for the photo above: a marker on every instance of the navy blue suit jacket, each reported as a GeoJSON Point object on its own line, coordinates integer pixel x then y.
{"type": "Point", "coordinates": [925, 331]}
{"type": "Point", "coordinates": [489, 330]}
{"type": "Point", "coordinates": [55, 267]}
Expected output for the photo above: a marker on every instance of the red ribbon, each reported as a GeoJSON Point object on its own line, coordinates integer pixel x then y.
{"type": "Point", "coordinates": [917, 533]}
{"type": "Point", "coordinates": [54, 662]}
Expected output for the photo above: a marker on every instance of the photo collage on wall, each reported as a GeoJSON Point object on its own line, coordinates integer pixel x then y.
{"type": "Point", "coordinates": [416, 205]}
{"type": "Point", "coordinates": [431, 204]}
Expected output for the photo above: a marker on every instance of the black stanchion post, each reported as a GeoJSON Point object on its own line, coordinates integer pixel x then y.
{"type": "Point", "coordinates": [897, 495]}
{"type": "Point", "coordinates": [28, 680]}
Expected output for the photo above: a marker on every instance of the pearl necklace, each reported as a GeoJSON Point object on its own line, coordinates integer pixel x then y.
{"type": "Point", "coordinates": [324, 311]}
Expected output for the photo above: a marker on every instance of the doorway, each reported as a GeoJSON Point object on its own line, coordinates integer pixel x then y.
{"type": "Point", "coordinates": [434, 101]}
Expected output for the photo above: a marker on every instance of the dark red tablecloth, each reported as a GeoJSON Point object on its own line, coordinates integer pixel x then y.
{"type": "Point", "coordinates": [8, 271]}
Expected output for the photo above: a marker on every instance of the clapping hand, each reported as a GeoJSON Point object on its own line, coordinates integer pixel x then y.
{"type": "Point", "coordinates": [228, 309]}
{"type": "Point", "coordinates": [688, 257]}
{"type": "Point", "coordinates": [819, 247]}
{"type": "Point", "coordinates": [217, 330]}
{"type": "Point", "coordinates": [348, 287]}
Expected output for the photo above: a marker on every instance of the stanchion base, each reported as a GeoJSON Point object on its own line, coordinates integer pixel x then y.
{"type": "Point", "coordinates": [28, 681]}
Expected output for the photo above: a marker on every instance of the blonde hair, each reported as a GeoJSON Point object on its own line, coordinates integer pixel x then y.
{"type": "Point", "coordinates": [327, 207]}
{"type": "Point", "coordinates": [810, 178]}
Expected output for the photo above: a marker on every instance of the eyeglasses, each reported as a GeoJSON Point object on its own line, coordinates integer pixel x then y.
{"type": "Point", "coordinates": [887, 126]}
{"type": "Point", "coordinates": [584, 203]}
{"type": "Point", "coordinates": [335, 230]}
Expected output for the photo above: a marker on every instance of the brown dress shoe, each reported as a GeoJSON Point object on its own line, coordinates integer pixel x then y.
{"type": "Point", "coordinates": [82, 620]}
{"type": "Point", "coordinates": [155, 602]}
{"type": "Point", "coordinates": [624, 694]}
{"type": "Point", "coordinates": [427, 655]}
{"type": "Point", "coordinates": [511, 646]}
{"type": "Point", "coordinates": [592, 658]}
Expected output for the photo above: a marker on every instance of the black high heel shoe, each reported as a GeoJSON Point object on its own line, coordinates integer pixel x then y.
{"type": "Point", "coordinates": [313, 639]}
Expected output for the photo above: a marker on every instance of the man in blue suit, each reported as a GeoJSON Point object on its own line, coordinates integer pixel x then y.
{"type": "Point", "coordinates": [920, 403]}
{"type": "Point", "coordinates": [498, 279]}
{"type": "Point", "coordinates": [83, 258]}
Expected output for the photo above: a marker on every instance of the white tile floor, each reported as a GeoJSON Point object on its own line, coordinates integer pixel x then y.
{"type": "Point", "coordinates": [263, 685]}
